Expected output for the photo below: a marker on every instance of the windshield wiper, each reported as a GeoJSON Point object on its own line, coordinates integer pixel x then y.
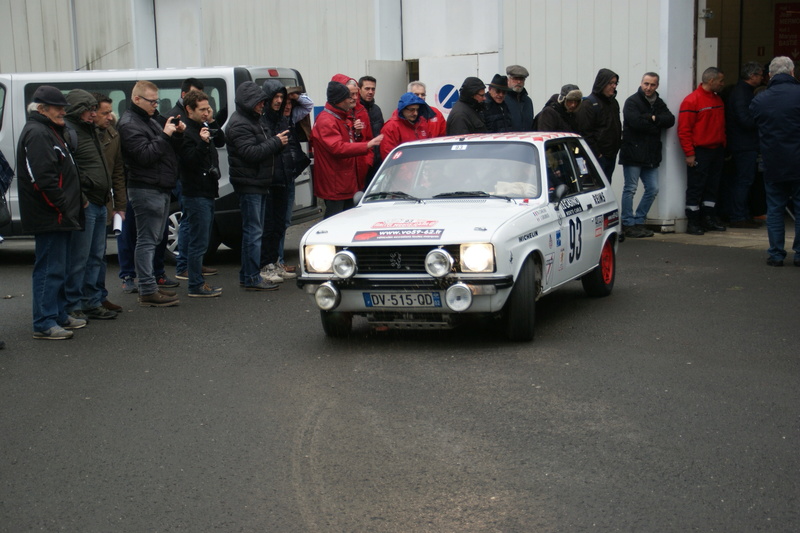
{"type": "Point", "coordinates": [391, 194]}
{"type": "Point", "coordinates": [470, 194]}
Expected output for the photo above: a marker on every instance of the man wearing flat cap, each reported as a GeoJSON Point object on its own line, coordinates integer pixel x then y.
{"type": "Point", "coordinates": [51, 209]}
{"type": "Point", "coordinates": [559, 111]}
{"type": "Point", "coordinates": [519, 103]}
{"type": "Point", "coordinates": [498, 117]}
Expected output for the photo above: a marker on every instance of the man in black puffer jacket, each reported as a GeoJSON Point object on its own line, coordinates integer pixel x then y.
{"type": "Point", "coordinates": [598, 120]}
{"type": "Point", "coordinates": [251, 157]}
{"type": "Point", "coordinates": [646, 116]}
{"type": "Point", "coordinates": [467, 114]}
{"type": "Point", "coordinates": [149, 152]}
{"type": "Point", "coordinates": [50, 207]}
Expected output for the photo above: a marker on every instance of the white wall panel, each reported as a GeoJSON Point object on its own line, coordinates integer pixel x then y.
{"type": "Point", "coordinates": [450, 27]}
{"type": "Point", "coordinates": [104, 35]}
{"type": "Point", "coordinates": [38, 34]}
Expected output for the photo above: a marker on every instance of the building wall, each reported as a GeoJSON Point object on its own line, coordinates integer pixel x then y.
{"type": "Point", "coordinates": [36, 35]}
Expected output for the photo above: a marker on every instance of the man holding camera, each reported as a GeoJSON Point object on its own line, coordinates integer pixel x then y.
{"type": "Point", "coordinates": [149, 151]}
{"type": "Point", "coordinates": [199, 166]}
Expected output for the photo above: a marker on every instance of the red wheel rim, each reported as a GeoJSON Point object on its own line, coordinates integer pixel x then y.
{"type": "Point", "coordinates": [607, 263]}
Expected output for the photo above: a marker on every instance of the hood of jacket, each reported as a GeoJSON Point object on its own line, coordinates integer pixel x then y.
{"type": "Point", "coordinates": [469, 89]}
{"type": "Point", "coordinates": [79, 101]}
{"type": "Point", "coordinates": [248, 95]}
{"type": "Point", "coordinates": [271, 88]}
{"type": "Point", "coordinates": [604, 76]}
{"type": "Point", "coordinates": [412, 99]}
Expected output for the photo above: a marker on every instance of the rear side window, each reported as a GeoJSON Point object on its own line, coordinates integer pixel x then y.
{"type": "Point", "coordinates": [169, 91]}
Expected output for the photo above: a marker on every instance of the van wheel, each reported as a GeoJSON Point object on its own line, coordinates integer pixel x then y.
{"type": "Point", "coordinates": [600, 281]}
{"type": "Point", "coordinates": [520, 313]}
{"type": "Point", "coordinates": [336, 324]}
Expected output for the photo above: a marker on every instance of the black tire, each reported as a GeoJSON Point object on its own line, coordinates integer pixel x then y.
{"type": "Point", "coordinates": [520, 312]}
{"type": "Point", "coordinates": [336, 324]}
{"type": "Point", "coordinates": [600, 281]}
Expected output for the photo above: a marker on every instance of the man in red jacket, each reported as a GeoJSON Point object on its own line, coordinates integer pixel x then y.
{"type": "Point", "coordinates": [338, 150]}
{"type": "Point", "coordinates": [701, 131]}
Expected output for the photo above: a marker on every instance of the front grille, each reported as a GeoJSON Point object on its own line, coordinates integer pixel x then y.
{"type": "Point", "coordinates": [397, 260]}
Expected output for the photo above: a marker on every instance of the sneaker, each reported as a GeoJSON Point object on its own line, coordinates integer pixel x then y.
{"type": "Point", "coordinates": [287, 268]}
{"type": "Point", "coordinates": [79, 314]}
{"type": "Point", "coordinates": [129, 285]}
{"type": "Point", "coordinates": [74, 323]}
{"type": "Point", "coordinates": [167, 292]}
{"type": "Point", "coordinates": [647, 231]}
{"type": "Point", "coordinates": [182, 275]}
{"type": "Point", "coordinates": [262, 285]}
{"type": "Point", "coordinates": [100, 313]}
{"type": "Point", "coordinates": [774, 262]}
{"type": "Point", "coordinates": [636, 232]}
{"type": "Point", "coordinates": [111, 307]}
{"type": "Point", "coordinates": [205, 291]}
{"type": "Point", "coordinates": [165, 281]}
{"type": "Point", "coordinates": [157, 299]}
{"type": "Point", "coordinates": [285, 274]}
{"type": "Point", "coordinates": [56, 333]}
{"type": "Point", "coordinates": [271, 274]}
{"type": "Point", "coordinates": [208, 271]}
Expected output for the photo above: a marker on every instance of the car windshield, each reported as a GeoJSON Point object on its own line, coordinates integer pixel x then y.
{"type": "Point", "coordinates": [458, 170]}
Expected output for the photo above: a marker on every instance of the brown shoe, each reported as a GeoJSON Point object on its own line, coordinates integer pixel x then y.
{"type": "Point", "coordinates": [167, 292]}
{"type": "Point", "coordinates": [208, 271]}
{"type": "Point", "coordinates": [111, 307]}
{"type": "Point", "coordinates": [157, 299]}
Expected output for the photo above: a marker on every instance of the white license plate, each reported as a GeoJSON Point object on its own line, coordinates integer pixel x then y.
{"type": "Point", "coordinates": [402, 299]}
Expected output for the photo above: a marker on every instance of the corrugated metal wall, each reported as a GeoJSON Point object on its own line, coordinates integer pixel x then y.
{"type": "Point", "coordinates": [36, 35]}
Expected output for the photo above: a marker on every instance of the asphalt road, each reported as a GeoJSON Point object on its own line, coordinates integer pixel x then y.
{"type": "Point", "coordinates": [671, 405]}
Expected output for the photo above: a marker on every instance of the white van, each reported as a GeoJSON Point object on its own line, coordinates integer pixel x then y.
{"type": "Point", "coordinates": [16, 92]}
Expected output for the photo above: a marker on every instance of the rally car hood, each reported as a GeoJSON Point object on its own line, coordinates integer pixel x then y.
{"type": "Point", "coordinates": [445, 221]}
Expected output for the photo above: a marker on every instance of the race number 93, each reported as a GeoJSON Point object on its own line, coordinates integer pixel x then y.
{"type": "Point", "coordinates": [575, 241]}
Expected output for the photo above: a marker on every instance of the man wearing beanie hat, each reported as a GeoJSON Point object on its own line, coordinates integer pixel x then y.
{"type": "Point", "coordinates": [88, 248]}
{"type": "Point", "coordinates": [497, 114]}
{"type": "Point", "coordinates": [339, 151]}
{"type": "Point", "coordinates": [519, 103]}
{"type": "Point", "coordinates": [51, 209]}
{"type": "Point", "coordinates": [467, 114]}
{"type": "Point", "coordinates": [646, 116]}
{"type": "Point", "coordinates": [559, 111]}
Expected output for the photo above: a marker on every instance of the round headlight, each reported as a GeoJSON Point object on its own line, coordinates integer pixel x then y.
{"type": "Point", "coordinates": [438, 263]}
{"type": "Point", "coordinates": [319, 257]}
{"type": "Point", "coordinates": [458, 297]}
{"type": "Point", "coordinates": [327, 297]}
{"type": "Point", "coordinates": [344, 264]}
{"type": "Point", "coordinates": [477, 258]}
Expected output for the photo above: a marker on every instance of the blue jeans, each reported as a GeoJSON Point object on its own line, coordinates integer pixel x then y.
{"type": "Point", "coordinates": [649, 177]}
{"type": "Point", "coordinates": [777, 199]}
{"type": "Point", "coordinates": [198, 216]}
{"type": "Point", "coordinates": [151, 208]}
{"type": "Point", "coordinates": [50, 269]}
{"type": "Point", "coordinates": [746, 164]}
{"type": "Point", "coordinates": [274, 225]}
{"type": "Point", "coordinates": [87, 256]}
{"type": "Point", "coordinates": [253, 207]}
{"type": "Point", "coordinates": [289, 212]}
{"type": "Point", "coordinates": [126, 246]}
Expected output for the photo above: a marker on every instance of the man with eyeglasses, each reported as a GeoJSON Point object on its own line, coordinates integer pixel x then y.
{"type": "Point", "coordinates": [437, 125]}
{"type": "Point", "coordinates": [519, 103]}
{"type": "Point", "coordinates": [467, 114]}
{"type": "Point", "coordinates": [598, 120]}
{"type": "Point", "coordinates": [88, 247]}
{"type": "Point", "coordinates": [149, 151]}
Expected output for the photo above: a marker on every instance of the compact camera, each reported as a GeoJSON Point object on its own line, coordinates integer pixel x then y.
{"type": "Point", "coordinates": [213, 172]}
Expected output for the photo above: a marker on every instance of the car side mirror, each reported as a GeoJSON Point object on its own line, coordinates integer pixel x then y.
{"type": "Point", "coordinates": [559, 193]}
{"type": "Point", "coordinates": [357, 197]}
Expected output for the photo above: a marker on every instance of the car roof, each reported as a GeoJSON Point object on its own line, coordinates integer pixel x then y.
{"type": "Point", "coordinates": [531, 137]}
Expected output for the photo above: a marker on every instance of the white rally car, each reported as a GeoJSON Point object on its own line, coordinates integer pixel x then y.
{"type": "Point", "coordinates": [480, 225]}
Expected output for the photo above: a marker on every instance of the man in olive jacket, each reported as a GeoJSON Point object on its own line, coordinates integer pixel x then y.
{"type": "Point", "coordinates": [88, 248]}
{"type": "Point", "coordinates": [51, 209]}
{"type": "Point", "coordinates": [646, 117]}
